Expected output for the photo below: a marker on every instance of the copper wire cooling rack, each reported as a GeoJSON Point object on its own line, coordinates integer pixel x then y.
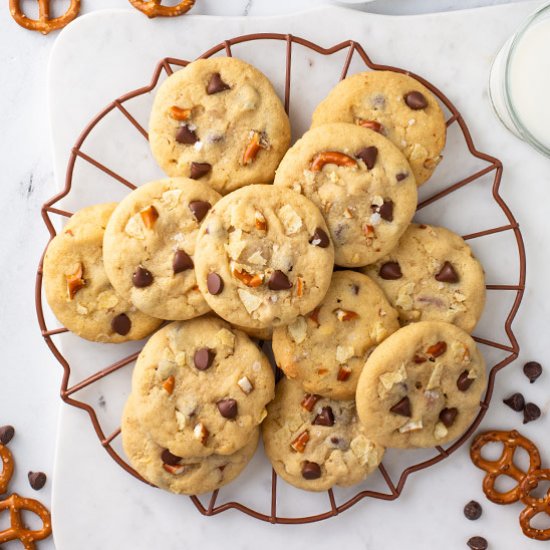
{"type": "Point", "coordinates": [494, 166]}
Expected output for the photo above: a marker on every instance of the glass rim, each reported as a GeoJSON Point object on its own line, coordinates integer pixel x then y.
{"type": "Point", "coordinates": [521, 128]}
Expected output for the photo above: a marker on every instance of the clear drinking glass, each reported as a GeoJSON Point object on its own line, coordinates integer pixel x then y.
{"type": "Point", "coordinates": [519, 85]}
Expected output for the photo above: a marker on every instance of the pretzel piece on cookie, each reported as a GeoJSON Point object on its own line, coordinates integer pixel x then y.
{"type": "Point", "coordinates": [44, 23]}
{"type": "Point", "coordinates": [504, 465]}
{"type": "Point", "coordinates": [154, 8]}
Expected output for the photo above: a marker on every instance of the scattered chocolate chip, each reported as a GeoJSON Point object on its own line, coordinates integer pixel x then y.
{"type": "Point", "coordinates": [199, 169]}
{"type": "Point", "coordinates": [142, 277]}
{"type": "Point", "coordinates": [402, 408]}
{"type": "Point", "coordinates": [390, 271]}
{"type": "Point", "coordinates": [37, 480]}
{"type": "Point", "coordinates": [168, 458]}
{"type": "Point", "coordinates": [355, 289]}
{"type": "Point", "coordinates": [448, 416]}
{"type": "Point", "coordinates": [311, 470]}
{"type": "Point", "coordinates": [186, 136]}
{"type": "Point", "coordinates": [368, 156]}
{"type": "Point", "coordinates": [325, 417]}
{"type": "Point", "coordinates": [415, 100]}
{"type": "Point", "coordinates": [199, 209]}
{"type": "Point", "coordinates": [6, 434]}
{"type": "Point", "coordinates": [447, 274]}
{"type": "Point", "coordinates": [401, 176]}
{"type": "Point", "coordinates": [516, 402]}
{"type": "Point", "coordinates": [464, 382]}
{"type": "Point", "coordinates": [532, 370]}
{"type": "Point", "coordinates": [121, 324]}
{"type": "Point", "coordinates": [478, 543]}
{"type": "Point", "coordinates": [320, 238]}
{"type": "Point", "coordinates": [278, 281]}
{"type": "Point", "coordinates": [227, 408]}
{"type": "Point", "coordinates": [216, 85]}
{"type": "Point", "coordinates": [530, 412]}
{"type": "Point", "coordinates": [386, 211]}
{"type": "Point", "coordinates": [473, 510]}
{"type": "Point", "coordinates": [214, 283]}
{"type": "Point", "coordinates": [182, 261]}
{"type": "Point", "coordinates": [203, 358]}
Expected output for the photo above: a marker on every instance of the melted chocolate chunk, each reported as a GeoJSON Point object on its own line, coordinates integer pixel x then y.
{"type": "Point", "coordinates": [142, 277]}
{"type": "Point", "coordinates": [182, 261]}
{"type": "Point", "coordinates": [416, 100]}
{"type": "Point", "coordinates": [325, 417]}
{"type": "Point", "coordinates": [390, 271]}
{"type": "Point", "coordinates": [216, 85]}
{"type": "Point", "coordinates": [447, 274]}
{"type": "Point", "coordinates": [386, 211]}
{"type": "Point", "coordinates": [199, 209]}
{"type": "Point", "coordinates": [168, 458]}
{"type": "Point", "coordinates": [279, 281]}
{"type": "Point", "coordinates": [199, 169]}
{"type": "Point", "coordinates": [203, 358]}
{"type": "Point", "coordinates": [121, 324]}
{"type": "Point", "coordinates": [320, 238]}
{"type": "Point", "coordinates": [448, 416]}
{"type": "Point", "coordinates": [368, 155]}
{"type": "Point", "coordinates": [214, 283]}
{"type": "Point", "coordinates": [228, 408]}
{"type": "Point", "coordinates": [311, 470]}
{"type": "Point", "coordinates": [186, 136]}
{"type": "Point", "coordinates": [463, 383]}
{"type": "Point", "coordinates": [402, 408]}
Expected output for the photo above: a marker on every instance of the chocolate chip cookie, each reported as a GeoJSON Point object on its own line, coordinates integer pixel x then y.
{"type": "Point", "coordinates": [149, 246]}
{"type": "Point", "coordinates": [315, 443]}
{"type": "Point", "coordinates": [422, 386]}
{"type": "Point", "coordinates": [77, 288]}
{"type": "Point", "coordinates": [362, 184]}
{"type": "Point", "coordinates": [263, 256]}
{"type": "Point", "coordinates": [395, 105]}
{"type": "Point", "coordinates": [219, 120]}
{"type": "Point", "coordinates": [189, 476]}
{"type": "Point", "coordinates": [432, 275]}
{"type": "Point", "coordinates": [201, 387]}
{"type": "Point", "coordinates": [326, 349]}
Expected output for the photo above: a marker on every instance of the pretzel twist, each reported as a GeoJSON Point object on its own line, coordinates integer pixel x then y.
{"type": "Point", "coordinates": [154, 8]}
{"type": "Point", "coordinates": [17, 530]}
{"type": "Point", "coordinates": [504, 466]}
{"type": "Point", "coordinates": [44, 23]}
{"type": "Point", "coordinates": [534, 506]}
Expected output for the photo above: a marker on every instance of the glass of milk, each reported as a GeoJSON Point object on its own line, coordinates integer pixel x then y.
{"type": "Point", "coordinates": [520, 82]}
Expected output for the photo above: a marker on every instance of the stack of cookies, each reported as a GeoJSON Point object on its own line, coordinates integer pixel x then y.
{"type": "Point", "coordinates": [311, 247]}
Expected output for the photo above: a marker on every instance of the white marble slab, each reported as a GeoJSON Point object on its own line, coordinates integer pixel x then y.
{"type": "Point", "coordinates": [93, 62]}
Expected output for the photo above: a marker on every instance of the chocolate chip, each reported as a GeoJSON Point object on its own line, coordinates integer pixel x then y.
{"type": "Point", "coordinates": [142, 277]}
{"type": "Point", "coordinates": [473, 510]}
{"type": "Point", "coordinates": [402, 408]}
{"type": "Point", "coordinates": [447, 274]}
{"type": "Point", "coordinates": [216, 85]}
{"type": "Point", "coordinates": [401, 176]}
{"type": "Point", "coordinates": [532, 370]}
{"type": "Point", "coordinates": [227, 408]}
{"type": "Point", "coordinates": [37, 480]}
{"type": "Point", "coordinates": [168, 458]}
{"type": "Point", "coordinates": [390, 271]}
{"type": "Point", "coordinates": [448, 416]}
{"type": "Point", "coordinates": [278, 281]}
{"type": "Point", "coordinates": [325, 417]}
{"type": "Point", "coordinates": [121, 324]}
{"type": "Point", "coordinates": [311, 470]}
{"type": "Point", "coordinates": [182, 261]}
{"type": "Point", "coordinates": [464, 382]}
{"type": "Point", "coordinates": [415, 100]}
{"type": "Point", "coordinates": [199, 169]}
{"type": "Point", "coordinates": [516, 402]}
{"type": "Point", "coordinates": [214, 283]}
{"type": "Point", "coordinates": [186, 136]}
{"type": "Point", "coordinates": [386, 211]}
{"type": "Point", "coordinates": [478, 543]}
{"type": "Point", "coordinates": [6, 434]}
{"type": "Point", "coordinates": [203, 358]}
{"type": "Point", "coordinates": [355, 289]}
{"type": "Point", "coordinates": [320, 238]}
{"type": "Point", "coordinates": [199, 209]}
{"type": "Point", "coordinates": [530, 412]}
{"type": "Point", "coordinates": [368, 156]}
